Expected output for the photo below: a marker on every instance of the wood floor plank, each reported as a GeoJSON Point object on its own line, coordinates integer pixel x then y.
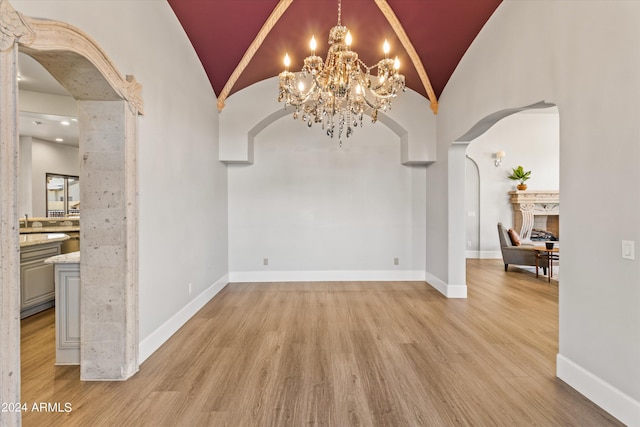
{"type": "Point", "coordinates": [335, 354]}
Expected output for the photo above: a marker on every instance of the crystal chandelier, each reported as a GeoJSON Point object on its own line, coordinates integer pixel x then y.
{"type": "Point", "coordinates": [337, 92]}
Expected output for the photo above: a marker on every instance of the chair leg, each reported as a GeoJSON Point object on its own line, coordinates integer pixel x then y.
{"type": "Point", "coordinates": [506, 266]}
{"type": "Point", "coordinates": [544, 270]}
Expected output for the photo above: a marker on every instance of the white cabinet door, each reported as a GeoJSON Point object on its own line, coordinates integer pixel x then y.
{"type": "Point", "coordinates": [67, 314]}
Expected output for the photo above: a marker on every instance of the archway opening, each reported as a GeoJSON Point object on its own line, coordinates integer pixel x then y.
{"type": "Point", "coordinates": [109, 104]}
{"type": "Point", "coordinates": [108, 228]}
{"type": "Point", "coordinates": [530, 139]}
{"type": "Point", "coordinates": [457, 189]}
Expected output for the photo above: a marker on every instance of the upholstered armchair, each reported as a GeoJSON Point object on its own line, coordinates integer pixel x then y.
{"type": "Point", "coordinates": [517, 255]}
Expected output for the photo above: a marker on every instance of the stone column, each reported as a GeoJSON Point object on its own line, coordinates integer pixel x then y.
{"type": "Point", "coordinates": [13, 29]}
{"type": "Point", "coordinates": [108, 240]}
{"type": "Point", "coordinates": [9, 232]}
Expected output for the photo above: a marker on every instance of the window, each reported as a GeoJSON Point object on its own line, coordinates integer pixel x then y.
{"type": "Point", "coordinates": [63, 195]}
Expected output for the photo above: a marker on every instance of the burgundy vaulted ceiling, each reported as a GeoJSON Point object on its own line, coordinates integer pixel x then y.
{"type": "Point", "coordinates": [222, 30]}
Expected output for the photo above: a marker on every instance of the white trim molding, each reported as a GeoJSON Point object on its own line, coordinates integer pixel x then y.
{"type": "Point", "coordinates": [158, 337]}
{"type": "Point", "coordinates": [484, 254]}
{"type": "Point", "coordinates": [600, 392]}
{"type": "Point", "coordinates": [326, 275]}
{"type": "Point", "coordinates": [449, 291]}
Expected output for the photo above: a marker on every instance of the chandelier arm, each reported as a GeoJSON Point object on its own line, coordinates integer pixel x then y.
{"type": "Point", "coordinates": [372, 106]}
{"type": "Point", "coordinates": [384, 97]}
{"type": "Point", "coordinates": [316, 83]}
{"type": "Point", "coordinates": [375, 89]}
{"type": "Point", "coordinates": [298, 98]}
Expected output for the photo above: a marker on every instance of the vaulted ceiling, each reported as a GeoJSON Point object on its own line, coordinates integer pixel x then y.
{"type": "Point", "coordinates": [241, 42]}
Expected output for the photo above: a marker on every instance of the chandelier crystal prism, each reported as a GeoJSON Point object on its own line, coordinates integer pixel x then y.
{"type": "Point", "coordinates": [337, 92]}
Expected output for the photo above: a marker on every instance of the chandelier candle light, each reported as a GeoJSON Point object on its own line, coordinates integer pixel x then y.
{"type": "Point", "coordinates": [337, 92]}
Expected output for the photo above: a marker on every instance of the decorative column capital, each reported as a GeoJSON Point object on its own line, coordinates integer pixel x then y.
{"type": "Point", "coordinates": [134, 95]}
{"type": "Point", "coordinates": [13, 27]}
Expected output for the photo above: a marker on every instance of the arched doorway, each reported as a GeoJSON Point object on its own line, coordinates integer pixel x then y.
{"type": "Point", "coordinates": [108, 108]}
{"type": "Point", "coordinates": [529, 138]}
{"type": "Point", "coordinates": [457, 166]}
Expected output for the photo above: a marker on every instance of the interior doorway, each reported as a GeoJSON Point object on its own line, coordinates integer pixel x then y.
{"type": "Point", "coordinates": [530, 139]}
{"type": "Point", "coordinates": [108, 108]}
{"type": "Point", "coordinates": [49, 142]}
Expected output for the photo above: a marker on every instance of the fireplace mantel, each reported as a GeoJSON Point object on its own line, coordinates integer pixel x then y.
{"type": "Point", "coordinates": [531, 206]}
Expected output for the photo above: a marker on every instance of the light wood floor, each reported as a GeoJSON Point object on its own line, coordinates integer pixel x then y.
{"type": "Point", "coordinates": [336, 354]}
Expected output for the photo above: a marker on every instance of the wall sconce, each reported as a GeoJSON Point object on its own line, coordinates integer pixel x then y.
{"type": "Point", "coordinates": [499, 155]}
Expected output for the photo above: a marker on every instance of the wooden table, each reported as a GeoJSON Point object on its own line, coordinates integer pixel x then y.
{"type": "Point", "coordinates": [549, 255]}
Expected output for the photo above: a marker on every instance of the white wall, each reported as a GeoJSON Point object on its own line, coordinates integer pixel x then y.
{"type": "Point", "coordinates": [182, 238]}
{"type": "Point", "coordinates": [530, 139]}
{"type": "Point", "coordinates": [318, 211]}
{"type": "Point", "coordinates": [584, 56]}
{"type": "Point", "coordinates": [46, 103]}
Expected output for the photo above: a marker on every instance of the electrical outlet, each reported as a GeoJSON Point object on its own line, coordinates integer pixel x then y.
{"type": "Point", "coordinates": [396, 261]}
{"type": "Point", "coordinates": [265, 261]}
{"type": "Point", "coordinates": [629, 249]}
{"type": "Point", "coordinates": [190, 288]}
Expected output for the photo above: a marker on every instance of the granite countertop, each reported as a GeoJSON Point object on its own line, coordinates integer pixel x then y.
{"type": "Point", "coordinates": [41, 239]}
{"type": "Point", "coordinates": [50, 229]}
{"type": "Point", "coordinates": [70, 258]}
{"type": "Point", "coordinates": [50, 225]}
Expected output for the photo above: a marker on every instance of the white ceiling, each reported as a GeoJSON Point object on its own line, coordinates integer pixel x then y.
{"type": "Point", "coordinates": [35, 78]}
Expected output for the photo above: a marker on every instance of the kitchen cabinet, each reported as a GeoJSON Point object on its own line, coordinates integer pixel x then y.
{"type": "Point", "coordinates": [37, 286]}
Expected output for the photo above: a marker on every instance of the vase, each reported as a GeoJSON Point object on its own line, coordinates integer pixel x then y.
{"type": "Point", "coordinates": [522, 187]}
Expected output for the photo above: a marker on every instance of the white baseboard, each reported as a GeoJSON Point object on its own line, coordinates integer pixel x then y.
{"type": "Point", "coordinates": [484, 254]}
{"type": "Point", "coordinates": [328, 276]}
{"type": "Point", "coordinates": [449, 291]}
{"type": "Point", "coordinates": [600, 392]}
{"type": "Point", "coordinates": [158, 337]}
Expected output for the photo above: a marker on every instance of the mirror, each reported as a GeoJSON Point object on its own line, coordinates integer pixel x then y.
{"type": "Point", "coordinates": [63, 196]}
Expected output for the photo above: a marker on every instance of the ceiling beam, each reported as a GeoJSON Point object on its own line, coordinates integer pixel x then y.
{"type": "Point", "coordinates": [413, 54]}
{"type": "Point", "coordinates": [280, 8]}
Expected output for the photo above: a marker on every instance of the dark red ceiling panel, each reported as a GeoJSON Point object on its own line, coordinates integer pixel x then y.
{"type": "Point", "coordinates": [222, 30]}
{"type": "Point", "coordinates": [442, 31]}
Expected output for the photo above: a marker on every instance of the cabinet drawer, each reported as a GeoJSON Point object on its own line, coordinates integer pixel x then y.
{"type": "Point", "coordinates": [39, 253]}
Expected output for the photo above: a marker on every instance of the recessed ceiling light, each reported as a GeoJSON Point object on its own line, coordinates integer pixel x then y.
{"type": "Point", "coordinates": [74, 120]}
{"type": "Point", "coordinates": [59, 140]}
{"type": "Point", "coordinates": [65, 123]}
